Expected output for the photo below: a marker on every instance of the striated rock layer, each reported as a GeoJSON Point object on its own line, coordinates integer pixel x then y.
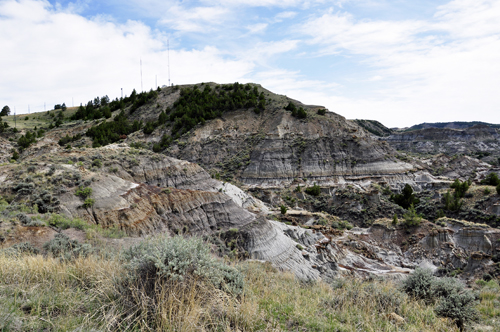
{"type": "Point", "coordinates": [273, 148]}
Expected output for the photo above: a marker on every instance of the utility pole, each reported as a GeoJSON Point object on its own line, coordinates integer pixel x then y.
{"type": "Point", "coordinates": [15, 122]}
{"type": "Point", "coordinates": [122, 93]}
{"type": "Point", "coordinates": [168, 61]}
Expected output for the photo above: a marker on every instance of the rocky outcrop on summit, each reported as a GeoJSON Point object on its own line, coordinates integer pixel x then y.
{"type": "Point", "coordinates": [272, 148]}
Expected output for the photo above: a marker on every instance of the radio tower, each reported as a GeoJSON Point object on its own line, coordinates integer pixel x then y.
{"type": "Point", "coordinates": [168, 61]}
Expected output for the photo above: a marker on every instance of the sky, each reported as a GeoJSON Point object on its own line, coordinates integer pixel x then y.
{"type": "Point", "coordinates": [401, 62]}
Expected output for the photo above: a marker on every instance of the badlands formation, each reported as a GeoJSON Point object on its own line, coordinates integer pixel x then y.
{"type": "Point", "coordinates": [247, 179]}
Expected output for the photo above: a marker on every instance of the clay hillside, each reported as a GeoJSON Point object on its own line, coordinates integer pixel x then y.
{"type": "Point", "coordinates": [292, 198]}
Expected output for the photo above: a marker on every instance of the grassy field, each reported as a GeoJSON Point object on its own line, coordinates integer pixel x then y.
{"type": "Point", "coordinates": [45, 293]}
{"type": "Point", "coordinates": [40, 119]}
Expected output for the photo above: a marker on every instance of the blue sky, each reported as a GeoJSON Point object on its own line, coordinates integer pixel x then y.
{"type": "Point", "coordinates": [399, 62]}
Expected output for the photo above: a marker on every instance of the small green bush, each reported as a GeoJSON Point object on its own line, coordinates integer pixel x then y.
{"type": "Point", "coordinates": [491, 180]}
{"type": "Point", "coordinates": [406, 198]}
{"type": "Point", "coordinates": [395, 219]}
{"type": "Point", "coordinates": [84, 192]}
{"type": "Point", "coordinates": [62, 246]}
{"type": "Point", "coordinates": [459, 306]}
{"type": "Point", "coordinates": [89, 202]}
{"type": "Point", "coordinates": [283, 209]}
{"type": "Point", "coordinates": [419, 284]}
{"type": "Point", "coordinates": [177, 258]}
{"type": "Point", "coordinates": [412, 218]}
{"type": "Point", "coordinates": [21, 248]}
{"type": "Point", "coordinates": [97, 163]}
{"type": "Point", "coordinates": [315, 190]}
{"type": "Point", "coordinates": [454, 301]}
{"type": "Point", "coordinates": [62, 222]}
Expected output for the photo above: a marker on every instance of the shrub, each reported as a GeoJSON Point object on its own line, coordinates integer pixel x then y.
{"type": "Point", "coordinates": [452, 202]}
{"type": "Point", "coordinates": [322, 111]}
{"type": "Point", "coordinates": [395, 219]}
{"type": "Point", "coordinates": [177, 258]}
{"type": "Point", "coordinates": [21, 248]}
{"type": "Point", "coordinates": [89, 202]}
{"type": "Point", "coordinates": [62, 246]}
{"type": "Point", "coordinates": [315, 190]}
{"type": "Point", "coordinates": [97, 163]}
{"type": "Point", "coordinates": [412, 218]}
{"type": "Point", "coordinates": [454, 301]}
{"type": "Point", "coordinates": [491, 180]}
{"type": "Point", "coordinates": [84, 192]}
{"type": "Point", "coordinates": [62, 222]}
{"type": "Point", "coordinates": [498, 189]}
{"type": "Point", "coordinates": [419, 284]}
{"type": "Point", "coordinates": [406, 198]}
{"type": "Point", "coordinates": [460, 187]}
{"type": "Point", "coordinates": [283, 209]}
{"type": "Point", "coordinates": [460, 307]}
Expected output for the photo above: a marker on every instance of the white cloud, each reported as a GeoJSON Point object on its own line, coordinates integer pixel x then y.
{"type": "Point", "coordinates": [257, 28]}
{"type": "Point", "coordinates": [442, 69]}
{"type": "Point", "coordinates": [53, 56]}
{"type": "Point", "coordinates": [284, 16]}
{"type": "Point", "coordinates": [198, 19]}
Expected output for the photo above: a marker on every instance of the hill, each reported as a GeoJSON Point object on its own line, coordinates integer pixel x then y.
{"type": "Point", "coordinates": [452, 125]}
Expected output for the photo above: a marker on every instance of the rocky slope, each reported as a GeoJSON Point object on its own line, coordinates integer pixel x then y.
{"type": "Point", "coordinates": [477, 141]}
{"type": "Point", "coordinates": [274, 148]}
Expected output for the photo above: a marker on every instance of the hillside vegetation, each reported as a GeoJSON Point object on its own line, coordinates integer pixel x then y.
{"type": "Point", "coordinates": [113, 293]}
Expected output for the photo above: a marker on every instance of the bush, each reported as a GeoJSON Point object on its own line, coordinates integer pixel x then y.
{"type": "Point", "coordinates": [498, 189]}
{"type": "Point", "coordinates": [419, 284]}
{"type": "Point", "coordinates": [97, 163]}
{"type": "Point", "coordinates": [460, 187]}
{"type": "Point", "coordinates": [412, 218]}
{"type": "Point", "coordinates": [491, 180]}
{"type": "Point", "coordinates": [322, 111]}
{"type": "Point", "coordinates": [62, 222]}
{"type": "Point", "coordinates": [315, 190]}
{"type": "Point", "coordinates": [283, 209]}
{"type": "Point", "coordinates": [177, 258]}
{"type": "Point", "coordinates": [460, 307]}
{"type": "Point", "coordinates": [84, 192]}
{"type": "Point", "coordinates": [89, 202]}
{"type": "Point", "coordinates": [406, 198]}
{"type": "Point", "coordinates": [62, 246]}
{"type": "Point", "coordinates": [455, 301]}
{"type": "Point", "coordinates": [21, 248]}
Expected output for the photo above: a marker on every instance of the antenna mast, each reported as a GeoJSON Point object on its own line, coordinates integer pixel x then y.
{"type": "Point", "coordinates": [168, 61]}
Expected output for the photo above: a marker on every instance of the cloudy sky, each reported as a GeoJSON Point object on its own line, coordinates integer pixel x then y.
{"type": "Point", "coordinates": [401, 62]}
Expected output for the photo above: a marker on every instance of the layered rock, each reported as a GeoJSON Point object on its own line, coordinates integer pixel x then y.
{"type": "Point", "coordinates": [477, 140]}
{"type": "Point", "coordinates": [273, 148]}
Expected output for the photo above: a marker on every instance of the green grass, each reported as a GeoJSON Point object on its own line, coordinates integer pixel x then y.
{"type": "Point", "coordinates": [38, 292]}
{"type": "Point", "coordinates": [39, 119]}
{"type": "Point", "coordinates": [489, 306]}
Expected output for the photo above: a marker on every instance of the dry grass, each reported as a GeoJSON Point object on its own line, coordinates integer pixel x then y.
{"type": "Point", "coordinates": [38, 293]}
